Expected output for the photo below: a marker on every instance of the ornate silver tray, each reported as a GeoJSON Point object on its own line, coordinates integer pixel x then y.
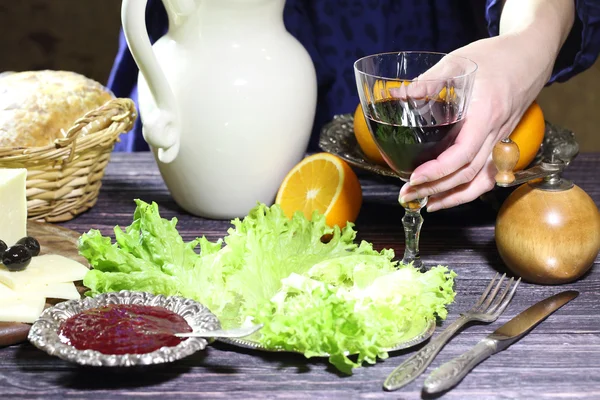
{"type": "Point", "coordinates": [337, 137]}
{"type": "Point", "coordinates": [44, 332]}
{"type": "Point", "coordinates": [254, 345]}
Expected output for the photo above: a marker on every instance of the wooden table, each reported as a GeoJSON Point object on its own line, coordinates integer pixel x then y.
{"type": "Point", "coordinates": [560, 358]}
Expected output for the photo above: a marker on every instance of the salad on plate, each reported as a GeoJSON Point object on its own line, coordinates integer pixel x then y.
{"type": "Point", "coordinates": [316, 289]}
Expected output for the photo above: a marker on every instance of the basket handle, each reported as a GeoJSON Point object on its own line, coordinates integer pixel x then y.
{"type": "Point", "coordinates": [120, 110]}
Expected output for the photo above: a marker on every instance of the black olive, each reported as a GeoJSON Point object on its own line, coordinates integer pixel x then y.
{"type": "Point", "coordinates": [3, 247]}
{"type": "Point", "coordinates": [16, 258]}
{"type": "Point", "coordinates": [32, 245]}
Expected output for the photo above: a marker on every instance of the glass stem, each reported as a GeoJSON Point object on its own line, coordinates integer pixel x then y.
{"type": "Point", "coordinates": [412, 222]}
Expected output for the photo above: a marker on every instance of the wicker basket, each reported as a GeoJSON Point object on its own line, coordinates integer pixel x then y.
{"type": "Point", "coordinates": [63, 180]}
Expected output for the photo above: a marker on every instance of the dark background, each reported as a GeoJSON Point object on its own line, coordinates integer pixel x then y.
{"type": "Point", "coordinates": [81, 36]}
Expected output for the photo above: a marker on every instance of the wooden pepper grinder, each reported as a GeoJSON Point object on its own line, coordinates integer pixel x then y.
{"type": "Point", "coordinates": [548, 229]}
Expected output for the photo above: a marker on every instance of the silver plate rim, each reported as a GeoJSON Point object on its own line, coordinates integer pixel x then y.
{"type": "Point", "coordinates": [253, 345]}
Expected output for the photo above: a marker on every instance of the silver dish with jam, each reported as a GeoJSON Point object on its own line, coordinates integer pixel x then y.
{"type": "Point", "coordinates": [44, 334]}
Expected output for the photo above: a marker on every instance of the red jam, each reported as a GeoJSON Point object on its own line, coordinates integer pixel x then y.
{"type": "Point", "coordinates": [124, 329]}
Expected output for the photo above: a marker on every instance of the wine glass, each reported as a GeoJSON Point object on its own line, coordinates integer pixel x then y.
{"type": "Point", "coordinates": [415, 104]}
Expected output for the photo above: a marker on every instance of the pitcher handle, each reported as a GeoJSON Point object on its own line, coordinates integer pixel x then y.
{"type": "Point", "coordinates": [162, 128]}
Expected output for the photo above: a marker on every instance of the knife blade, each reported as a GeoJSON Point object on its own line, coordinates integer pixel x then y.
{"type": "Point", "coordinates": [452, 372]}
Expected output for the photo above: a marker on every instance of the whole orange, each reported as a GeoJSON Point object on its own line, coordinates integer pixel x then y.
{"type": "Point", "coordinates": [529, 134]}
{"type": "Point", "coordinates": [364, 138]}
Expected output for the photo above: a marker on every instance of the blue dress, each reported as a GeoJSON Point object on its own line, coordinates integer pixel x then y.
{"type": "Point", "coordinates": [337, 32]}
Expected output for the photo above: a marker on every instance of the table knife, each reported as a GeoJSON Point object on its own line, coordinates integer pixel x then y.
{"type": "Point", "coordinates": [452, 372]}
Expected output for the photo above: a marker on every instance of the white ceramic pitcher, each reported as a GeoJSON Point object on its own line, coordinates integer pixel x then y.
{"type": "Point", "coordinates": [227, 99]}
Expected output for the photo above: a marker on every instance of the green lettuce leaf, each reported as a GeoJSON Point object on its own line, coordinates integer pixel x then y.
{"type": "Point", "coordinates": [267, 247]}
{"type": "Point", "coordinates": [149, 255]}
{"type": "Point", "coordinates": [362, 320]}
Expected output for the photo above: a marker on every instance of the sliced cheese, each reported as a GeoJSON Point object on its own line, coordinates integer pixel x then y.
{"type": "Point", "coordinates": [42, 270]}
{"type": "Point", "coordinates": [13, 204]}
{"type": "Point", "coordinates": [66, 290]}
{"type": "Point", "coordinates": [22, 309]}
{"type": "Point", "coordinates": [63, 290]}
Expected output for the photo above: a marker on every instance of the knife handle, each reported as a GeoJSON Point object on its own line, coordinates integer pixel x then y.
{"type": "Point", "coordinates": [415, 365]}
{"type": "Point", "coordinates": [452, 372]}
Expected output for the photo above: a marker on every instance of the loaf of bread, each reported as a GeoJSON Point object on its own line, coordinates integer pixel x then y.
{"type": "Point", "coordinates": [36, 106]}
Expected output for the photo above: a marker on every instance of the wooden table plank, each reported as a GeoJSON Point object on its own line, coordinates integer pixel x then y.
{"type": "Point", "coordinates": [559, 359]}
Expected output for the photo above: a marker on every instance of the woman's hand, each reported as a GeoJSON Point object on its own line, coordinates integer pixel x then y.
{"type": "Point", "coordinates": [512, 70]}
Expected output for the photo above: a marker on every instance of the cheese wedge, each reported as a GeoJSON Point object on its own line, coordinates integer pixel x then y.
{"type": "Point", "coordinates": [24, 309]}
{"type": "Point", "coordinates": [65, 290]}
{"type": "Point", "coordinates": [13, 204]}
{"type": "Point", "coordinates": [43, 270]}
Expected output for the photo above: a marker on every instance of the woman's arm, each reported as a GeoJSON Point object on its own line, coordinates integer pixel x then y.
{"type": "Point", "coordinates": [551, 20]}
{"type": "Point", "coordinates": [514, 66]}
{"type": "Point", "coordinates": [582, 44]}
{"type": "Point", "coordinates": [545, 24]}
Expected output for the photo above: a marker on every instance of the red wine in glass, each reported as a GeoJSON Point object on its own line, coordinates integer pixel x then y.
{"type": "Point", "coordinates": [409, 134]}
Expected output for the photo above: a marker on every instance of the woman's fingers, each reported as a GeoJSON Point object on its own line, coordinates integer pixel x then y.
{"type": "Point", "coordinates": [464, 175]}
{"type": "Point", "coordinates": [467, 145]}
{"type": "Point", "coordinates": [483, 182]}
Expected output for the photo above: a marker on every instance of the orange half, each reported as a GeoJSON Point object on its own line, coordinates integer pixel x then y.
{"type": "Point", "coordinates": [325, 183]}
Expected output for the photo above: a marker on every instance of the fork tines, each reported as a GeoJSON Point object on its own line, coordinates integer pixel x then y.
{"type": "Point", "coordinates": [490, 302]}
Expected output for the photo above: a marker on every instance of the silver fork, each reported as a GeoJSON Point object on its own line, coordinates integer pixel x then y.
{"type": "Point", "coordinates": [487, 309]}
